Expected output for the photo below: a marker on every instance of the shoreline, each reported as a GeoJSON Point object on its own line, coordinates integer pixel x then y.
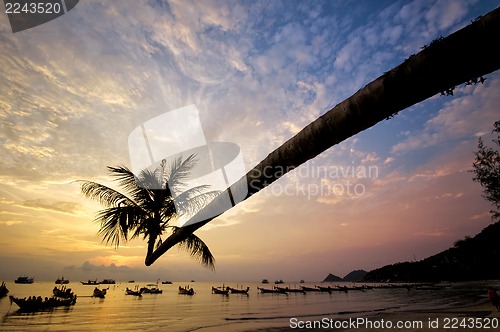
{"type": "Point", "coordinates": [461, 318]}
{"type": "Point", "coordinates": [444, 319]}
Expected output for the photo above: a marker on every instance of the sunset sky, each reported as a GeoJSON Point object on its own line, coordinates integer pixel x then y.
{"type": "Point", "coordinates": [73, 89]}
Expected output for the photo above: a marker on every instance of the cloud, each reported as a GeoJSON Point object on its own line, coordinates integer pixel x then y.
{"type": "Point", "coordinates": [388, 160]}
{"type": "Point", "coordinates": [435, 232]}
{"type": "Point", "coordinates": [473, 110]}
{"type": "Point", "coordinates": [54, 206]}
{"type": "Point", "coordinates": [445, 13]}
{"type": "Point", "coordinates": [11, 222]}
{"type": "Point", "coordinates": [258, 73]}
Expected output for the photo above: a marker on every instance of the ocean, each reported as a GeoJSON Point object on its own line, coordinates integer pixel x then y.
{"type": "Point", "coordinates": [205, 311]}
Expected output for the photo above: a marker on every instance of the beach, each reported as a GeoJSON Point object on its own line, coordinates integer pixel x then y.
{"type": "Point", "coordinates": [479, 316]}
{"type": "Point", "coordinates": [371, 310]}
{"type": "Point", "coordinates": [467, 318]}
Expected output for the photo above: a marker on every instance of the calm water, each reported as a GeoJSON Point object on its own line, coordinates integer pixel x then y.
{"type": "Point", "coordinates": [211, 312]}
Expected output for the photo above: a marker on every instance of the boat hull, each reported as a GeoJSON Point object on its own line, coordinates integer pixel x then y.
{"type": "Point", "coordinates": [186, 291]}
{"type": "Point", "coordinates": [35, 305]}
{"type": "Point", "coordinates": [271, 291]}
{"type": "Point", "coordinates": [222, 291]}
{"type": "Point", "coordinates": [24, 280]}
{"type": "Point", "coordinates": [238, 291]}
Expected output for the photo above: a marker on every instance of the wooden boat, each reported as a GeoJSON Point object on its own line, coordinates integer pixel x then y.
{"type": "Point", "coordinates": [290, 290]}
{"type": "Point", "coordinates": [341, 288]}
{"type": "Point", "coordinates": [108, 282]}
{"type": "Point", "coordinates": [238, 291]}
{"type": "Point", "coordinates": [38, 304]}
{"type": "Point", "coordinates": [166, 282]}
{"type": "Point", "coordinates": [151, 289]}
{"type": "Point", "coordinates": [63, 292]}
{"type": "Point", "coordinates": [279, 282]}
{"type": "Point", "coordinates": [325, 289]}
{"type": "Point", "coordinates": [271, 291]}
{"type": "Point", "coordinates": [24, 280]}
{"type": "Point", "coordinates": [3, 290]}
{"type": "Point", "coordinates": [265, 281]}
{"type": "Point", "coordinates": [61, 281]}
{"type": "Point", "coordinates": [220, 290]}
{"type": "Point", "coordinates": [186, 290]}
{"type": "Point", "coordinates": [309, 289]}
{"type": "Point", "coordinates": [90, 282]}
{"type": "Point", "coordinates": [100, 293]}
{"type": "Point", "coordinates": [129, 291]}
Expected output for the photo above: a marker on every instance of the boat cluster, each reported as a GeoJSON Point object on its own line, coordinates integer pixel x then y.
{"type": "Point", "coordinates": [63, 296]}
{"type": "Point", "coordinates": [226, 290]}
{"type": "Point", "coordinates": [339, 288]}
{"type": "Point", "coordinates": [95, 282]}
{"type": "Point", "coordinates": [149, 289]}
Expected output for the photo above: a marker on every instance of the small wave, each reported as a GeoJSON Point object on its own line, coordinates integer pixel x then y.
{"type": "Point", "coordinates": [339, 313]}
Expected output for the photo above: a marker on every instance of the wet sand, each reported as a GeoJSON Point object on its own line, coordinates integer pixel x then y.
{"type": "Point", "coordinates": [456, 319]}
{"type": "Point", "coordinates": [467, 318]}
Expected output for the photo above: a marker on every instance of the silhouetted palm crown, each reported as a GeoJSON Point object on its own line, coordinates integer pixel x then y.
{"type": "Point", "coordinates": [147, 206]}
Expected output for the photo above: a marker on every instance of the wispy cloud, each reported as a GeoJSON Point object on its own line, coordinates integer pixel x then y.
{"type": "Point", "coordinates": [258, 73]}
{"type": "Point", "coordinates": [54, 206]}
{"type": "Point", "coordinates": [473, 111]}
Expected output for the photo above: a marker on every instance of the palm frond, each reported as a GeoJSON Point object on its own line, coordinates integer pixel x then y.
{"type": "Point", "coordinates": [132, 184]}
{"type": "Point", "coordinates": [105, 195]}
{"type": "Point", "coordinates": [150, 179]}
{"type": "Point", "coordinates": [194, 199]}
{"type": "Point", "coordinates": [117, 222]}
{"type": "Point", "coordinates": [124, 176]}
{"type": "Point", "coordinates": [197, 249]}
{"type": "Point", "coordinates": [178, 171]}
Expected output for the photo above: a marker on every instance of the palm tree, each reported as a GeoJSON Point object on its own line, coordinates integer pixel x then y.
{"type": "Point", "coordinates": [147, 208]}
{"type": "Point", "coordinates": [464, 56]}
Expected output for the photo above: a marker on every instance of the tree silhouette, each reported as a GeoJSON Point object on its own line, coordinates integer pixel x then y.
{"type": "Point", "coordinates": [146, 207]}
{"type": "Point", "coordinates": [487, 171]}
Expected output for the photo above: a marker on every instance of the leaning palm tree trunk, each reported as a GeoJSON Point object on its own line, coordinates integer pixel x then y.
{"type": "Point", "coordinates": [463, 56]}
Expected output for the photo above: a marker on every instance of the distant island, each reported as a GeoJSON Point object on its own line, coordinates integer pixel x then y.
{"type": "Point", "coordinates": [353, 276]}
{"type": "Point", "coordinates": [472, 258]}
{"type": "Point", "coordinates": [332, 278]}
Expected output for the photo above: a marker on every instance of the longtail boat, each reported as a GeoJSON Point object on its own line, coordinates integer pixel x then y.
{"type": "Point", "coordinates": [238, 291]}
{"type": "Point", "coordinates": [186, 290]}
{"type": "Point", "coordinates": [90, 282]}
{"type": "Point", "coordinates": [290, 290]}
{"type": "Point", "coordinates": [136, 292]}
{"type": "Point", "coordinates": [272, 291]}
{"type": "Point", "coordinates": [37, 304]}
{"type": "Point", "coordinates": [220, 290]}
